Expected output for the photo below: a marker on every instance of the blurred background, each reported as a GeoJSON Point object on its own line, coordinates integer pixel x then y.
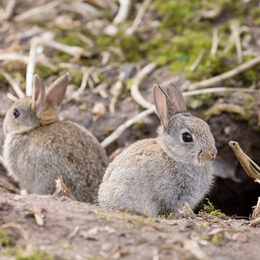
{"type": "Point", "coordinates": [115, 51]}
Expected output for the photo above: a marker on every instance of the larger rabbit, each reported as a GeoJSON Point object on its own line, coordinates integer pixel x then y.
{"type": "Point", "coordinates": [39, 147]}
{"type": "Point", "coordinates": [157, 176]}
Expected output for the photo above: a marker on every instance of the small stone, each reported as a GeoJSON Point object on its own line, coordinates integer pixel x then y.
{"type": "Point", "coordinates": [203, 242]}
{"type": "Point", "coordinates": [240, 237]}
{"type": "Point", "coordinates": [93, 231]}
{"type": "Point", "coordinates": [99, 109]}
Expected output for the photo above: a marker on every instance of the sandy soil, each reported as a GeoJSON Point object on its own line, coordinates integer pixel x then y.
{"type": "Point", "coordinates": [74, 230]}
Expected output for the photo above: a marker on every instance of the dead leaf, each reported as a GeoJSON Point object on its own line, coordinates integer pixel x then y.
{"type": "Point", "coordinates": [187, 212]}
{"type": "Point", "coordinates": [39, 217]}
{"type": "Point", "coordinates": [61, 187]}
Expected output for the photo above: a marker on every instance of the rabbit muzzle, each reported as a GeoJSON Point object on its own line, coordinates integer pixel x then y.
{"type": "Point", "coordinates": [207, 156]}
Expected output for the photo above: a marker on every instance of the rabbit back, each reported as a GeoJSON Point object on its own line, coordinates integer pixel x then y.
{"type": "Point", "coordinates": [63, 149]}
{"type": "Point", "coordinates": [145, 179]}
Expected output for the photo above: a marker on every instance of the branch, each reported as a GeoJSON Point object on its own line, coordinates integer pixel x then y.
{"type": "Point", "coordinates": [124, 9]}
{"type": "Point", "coordinates": [135, 87]}
{"type": "Point", "coordinates": [115, 91]}
{"type": "Point", "coordinates": [215, 41]}
{"type": "Point", "coordinates": [2, 161]}
{"type": "Point", "coordinates": [39, 10]}
{"type": "Point", "coordinates": [235, 28]}
{"type": "Point", "coordinates": [8, 12]}
{"type": "Point", "coordinates": [31, 65]}
{"type": "Point", "coordinates": [82, 87]}
{"type": "Point", "coordinates": [11, 97]}
{"type": "Point", "coordinates": [250, 167]}
{"type": "Point", "coordinates": [196, 63]}
{"type": "Point", "coordinates": [13, 84]}
{"type": "Point", "coordinates": [139, 17]}
{"type": "Point", "coordinates": [14, 57]}
{"type": "Point", "coordinates": [71, 50]}
{"type": "Point", "coordinates": [215, 90]}
{"type": "Point", "coordinates": [111, 138]}
{"type": "Point", "coordinates": [229, 74]}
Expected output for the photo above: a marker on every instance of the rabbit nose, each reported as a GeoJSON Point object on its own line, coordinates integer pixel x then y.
{"type": "Point", "coordinates": [213, 156]}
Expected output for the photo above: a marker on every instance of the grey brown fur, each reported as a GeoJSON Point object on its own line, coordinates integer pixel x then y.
{"type": "Point", "coordinates": [39, 148]}
{"type": "Point", "coordinates": [157, 176]}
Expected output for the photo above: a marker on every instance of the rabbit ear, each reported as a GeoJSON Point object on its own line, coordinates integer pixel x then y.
{"type": "Point", "coordinates": [56, 91]}
{"type": "Point", "coordinates": [160, 100]}
{"type": "Point", "coordinates": [38, 96]}
{"type": "Point", "coordinates": [176, 98]}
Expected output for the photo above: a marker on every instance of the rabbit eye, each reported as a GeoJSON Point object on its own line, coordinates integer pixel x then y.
{"type": "Point", "coordinates": [16, 113]}
{"type": "Point", "coordinates": [187, 137]}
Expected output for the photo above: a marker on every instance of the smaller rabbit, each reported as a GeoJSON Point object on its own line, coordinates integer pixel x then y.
{"type": "Point", "coordinates": [39, 147]}
{"type": "Point", "coordinates": [158, 176]}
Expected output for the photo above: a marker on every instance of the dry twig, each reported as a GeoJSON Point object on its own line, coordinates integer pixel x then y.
{"type": "Point", "coordinates": [115, 91]}
{"type": "Point", "coordinates": [81, 89]}
{"type": "Point", "coordinates": [2, 161]}
{"type": "Point", "coordinates": [250, 167]}
{"type": "Point", "coordinates": [135, 86]}
{"type": "Point", "coordinates": [111, 138]}
{"type": "Point", "coordinates": [256, 211]}
{"type": "Point", "coordinates": [255, 222]}
{"type": "Point", "coordinates": [14, 57]}
{"type": "Point", "coordinates": [39, 10]}
{"type": "Point", "coordinates": [196, 63]}
{"type": "Point", "coordinates": [17, 227]}
{"type": "Point", "coordinates": [8, 12]}
{"type": "Point", "coordinates": [75, 51]}
{"type": "Point", "coordinates": [30, 66]}
{"type": "Point", "coordinates": [138, 17]}
{"type": "Point", "coordinates": [213, 81]}
{"type": "Point", "coordinates": [235, 28]}
{"type": "Point", "coordinates": [216, 90]}
{"type": "Point", "coordinates": [13, 84]}
{"type": "Point", "coordinates": [61, 187]}
{"type": "Point", "coordinates": [11, 97]}
{"type": "Point", "coordinates": [186, 211]}
{"type": "Point", "coordinates": [82, 8]}
{"type": "Point", "coordinates": [215, 42]}
{"type": "Point", "coordinates": [124, 9]}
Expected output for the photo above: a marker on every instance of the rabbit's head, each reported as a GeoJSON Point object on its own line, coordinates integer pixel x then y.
{"type": "Point", "coordinates": [184, 137]}
{"type": "Point", "coordinates": [27, 113]}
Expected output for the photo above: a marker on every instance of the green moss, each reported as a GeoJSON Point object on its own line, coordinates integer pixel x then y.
{"type": "Point", "coordinates": [129, 45]}
{"type": "Point", "coordinates": [101, 215]}
{"type": "Point", "coordinates": [209, 209]}
{"type": "Point", "coordinates": [72, 39]}
{"type": "Point", "coordinates": [76, 77]}
{"type": "Point", "coordinates": [66, 245]}
{"type": "Point", "coordinates": [163, 217]}
{"type": "Point", "coordinates": [43, 71]}
{"type": "Point", "coordinates": [103, 42]}
{"type": "Point", "coordinates": [83, 107]}
{"type": "Point", "coordinates": [218, 239]}
{"type": "Point", "coordinates": [139, 125]}
{"type": "Point", "coordinates": [34, 255]}
{"type": "Point", "coordinates": [5, 240]}
{"type": "Point", "coordinates": [8, 247]}
{"type": "Point", "coordinates": [101, 77]}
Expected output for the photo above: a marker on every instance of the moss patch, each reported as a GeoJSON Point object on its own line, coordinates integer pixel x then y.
{"type": "Point", "coordinates": [209, 209]}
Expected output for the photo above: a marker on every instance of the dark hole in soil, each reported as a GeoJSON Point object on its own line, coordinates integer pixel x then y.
{"type": "Point", "coordinates": [235, 198]}
{"type": "Point", "coordinates": [231, 197]}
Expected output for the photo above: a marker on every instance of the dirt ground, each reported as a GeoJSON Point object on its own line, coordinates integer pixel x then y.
{"type": "Point", "coordinates": [34, 227]}
{"type": "Point", "coordinates": [74, 230]}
